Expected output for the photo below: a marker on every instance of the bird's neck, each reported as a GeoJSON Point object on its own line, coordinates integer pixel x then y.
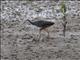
{"type": "Point", "coordinates": [30, 22]}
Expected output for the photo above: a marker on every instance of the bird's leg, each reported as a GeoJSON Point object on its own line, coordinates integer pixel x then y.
{"type": "Point", "coordinates": [39, 34]}
{"type": "Point", "coordinates": [47, 32]}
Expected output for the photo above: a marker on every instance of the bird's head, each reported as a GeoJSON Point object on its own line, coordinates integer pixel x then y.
{"type": "Point", "coordinates": [29, 21]}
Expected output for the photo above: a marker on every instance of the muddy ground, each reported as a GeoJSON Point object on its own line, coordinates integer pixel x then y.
{"type": "Point", "coordinates": [19, 39]}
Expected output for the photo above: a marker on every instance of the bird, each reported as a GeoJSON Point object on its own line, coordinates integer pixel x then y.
{"type": "Point", "coordinates": [43, 25]}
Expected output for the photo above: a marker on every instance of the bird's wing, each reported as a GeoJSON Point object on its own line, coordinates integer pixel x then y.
{"type": "Point", "coordinates": [42, 23]}
{"type": "Point", "coordinates": [45, 23]}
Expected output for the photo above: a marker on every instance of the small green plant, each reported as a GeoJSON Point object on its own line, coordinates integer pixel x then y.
{"type": "Point", "coordinates": [63, 10]}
